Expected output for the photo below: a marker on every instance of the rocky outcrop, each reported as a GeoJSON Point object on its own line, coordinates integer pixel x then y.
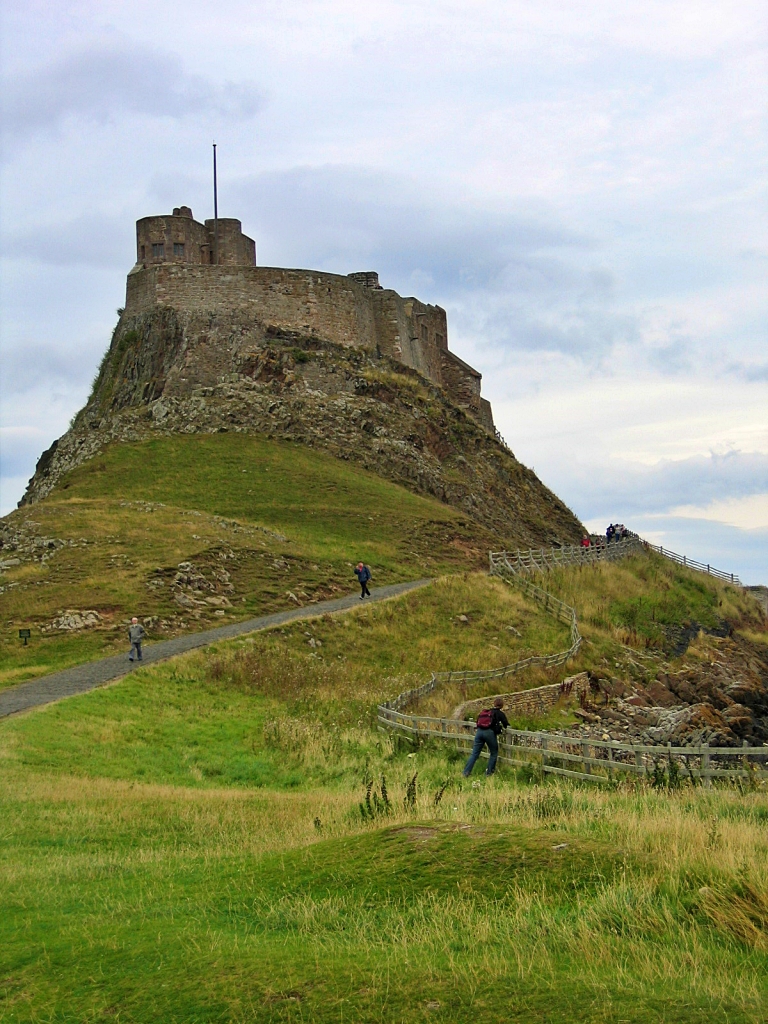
{"type": "Point", "coordinates": [169, 373]}
{"type": "Point", "coordinates": [719, 696]}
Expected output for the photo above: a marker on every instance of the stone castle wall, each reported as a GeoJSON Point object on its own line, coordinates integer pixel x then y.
{"type": "Point", "coordinates": [352, 311]}
{"type": "Point", "coordinates": [194, 268]}
{"type": "Point", "coordinates": [178, 238]}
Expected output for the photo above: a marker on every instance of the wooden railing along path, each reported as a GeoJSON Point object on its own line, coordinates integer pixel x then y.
{"type": "Point", "coordinates": [590, 760]}
{"type": "Point", "coordinates": [556, 753]}
{"type": "Point", "coordinates": [512, 566]}
{"type": "Point", "coordinates": [558, 608]}
{"type": "Point", "coordinates": [545, 559]}
{"type": "Point", "coordinates": [691, 563]}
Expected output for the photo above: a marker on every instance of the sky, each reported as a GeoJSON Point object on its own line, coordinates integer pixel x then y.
{"type": "Point", "coordinates": [581, 185]}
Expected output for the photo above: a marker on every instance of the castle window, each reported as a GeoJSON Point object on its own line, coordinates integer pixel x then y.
{"type": "Point", "coordinates": [143, 251]}
{"type": "Point", "coordinates": [158, 251]}
{"type": "Point", "coordinates": [424, 333]}
{"type": "Point", "coordinates": [439, 340]}
{"type": "Point", "coordinates": [178, 249]}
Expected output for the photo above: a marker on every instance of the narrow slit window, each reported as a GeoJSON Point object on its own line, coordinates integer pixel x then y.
{"type": "Point", "coordinates": [424, 333]}
{"type": "Point", "coordinates": [143, 252]}
{"type": "Point", "coordinates": [178, 249]}
{"type": "Point", "coordinates": [158, 250]}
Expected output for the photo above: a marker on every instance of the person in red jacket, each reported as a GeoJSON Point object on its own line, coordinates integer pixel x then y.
{"type": "Point", "coordinates": [585, 541]}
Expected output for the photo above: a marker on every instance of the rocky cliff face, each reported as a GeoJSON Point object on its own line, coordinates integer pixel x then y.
{"type": "Point", "coordinates": [718, 695]}
{"type": "Point", "coordinates": [167, 372]}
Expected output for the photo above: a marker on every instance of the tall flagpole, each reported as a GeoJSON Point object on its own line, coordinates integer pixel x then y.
{"type": "Point", "coordinates": [215, 212]}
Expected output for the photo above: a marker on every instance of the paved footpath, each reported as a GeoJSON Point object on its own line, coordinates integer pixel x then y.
{"type": "Point", "coordinates": [82, 678]}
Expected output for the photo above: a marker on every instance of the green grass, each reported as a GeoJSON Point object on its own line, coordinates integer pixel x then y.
{"type": "Point", "coordinates": [638, 599]}
{"type": "Point", "coordinates": [133, 902]}
{"type": "Point", "coordinates": [188, 844]}
{"type": "Point", "coordinates": [325, 505]}
{"type": "Point", "coordinates": [280, 519]}
{"type": "Point", "coordinates": [237, 713]}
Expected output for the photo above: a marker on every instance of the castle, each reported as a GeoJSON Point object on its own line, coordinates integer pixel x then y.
{"type": "Point", "coordinates": [211, 268]}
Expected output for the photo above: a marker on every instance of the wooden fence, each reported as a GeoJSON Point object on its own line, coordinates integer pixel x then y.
{"type": "Point", "coordinates": [590, 759]}
{"type": "Point", "coordinates": [546, 559]}
{"type": "Point", "coordinates": [505, 564]}
{"type": "Point", "coordinates": [555, 607]}
{"type": "Point", "coordinates": [691, 563]}
{"type": "Point", "coordinates": [555, 753]}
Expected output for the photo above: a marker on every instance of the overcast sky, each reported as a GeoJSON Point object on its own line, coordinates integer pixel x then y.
{"type": "Point", "coordinates": [582, 186]}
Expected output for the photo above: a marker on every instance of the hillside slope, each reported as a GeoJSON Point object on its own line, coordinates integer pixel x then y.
{"type": "Point", "coordinates": [187, 531]}
{"type": "Point", "coordinates": [169, 373]}
{"type": "Point", "coordinates": [196, 843]}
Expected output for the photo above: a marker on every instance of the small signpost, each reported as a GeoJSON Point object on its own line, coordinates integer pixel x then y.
{"type": "Point", "coordinates": [25, 634]}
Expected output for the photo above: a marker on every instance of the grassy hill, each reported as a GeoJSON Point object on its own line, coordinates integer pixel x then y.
{"type": "Point", "coordinates": [265, 525]}
{"type": "Point", "coordinates": [188, 845]}
{"type": "Point", "coordinates": [193, 843]}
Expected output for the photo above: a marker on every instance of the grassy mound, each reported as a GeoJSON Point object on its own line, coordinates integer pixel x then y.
{"type": "Point", "coordinates": [545, 904]}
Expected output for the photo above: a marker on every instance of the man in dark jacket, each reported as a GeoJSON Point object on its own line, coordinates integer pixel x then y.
{"type": "Point", "coordinates": [489, 724]}
{"type": "Point", "coordinates": [363, 574]}
{"type": "Point", "coordinates": [136, 636]}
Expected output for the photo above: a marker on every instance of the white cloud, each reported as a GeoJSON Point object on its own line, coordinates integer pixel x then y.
{"type": "Point", "coordinates": [579, 186]}
{"type": "Point", "coordinates": [101, 81]}
{"type": "Point", "coordinates": [748, 513]}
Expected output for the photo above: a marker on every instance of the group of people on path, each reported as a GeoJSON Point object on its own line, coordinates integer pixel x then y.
{"type": "Point", "coordinates": [616, 531]}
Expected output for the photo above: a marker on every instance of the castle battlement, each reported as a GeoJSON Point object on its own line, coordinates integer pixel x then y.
{"type": "Point", "coordinates": [175, 268]}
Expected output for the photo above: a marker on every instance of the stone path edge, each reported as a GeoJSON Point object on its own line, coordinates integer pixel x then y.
{"type": "Point", "coordinates": [82, 678]}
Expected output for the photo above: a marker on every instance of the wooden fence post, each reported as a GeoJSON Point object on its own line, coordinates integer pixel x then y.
{"type": "Point", "coordinates": [586, 767]}
{"type": "Point", "coordinates": [706, 777]}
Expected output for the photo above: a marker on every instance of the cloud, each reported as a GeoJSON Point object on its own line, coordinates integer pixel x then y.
{"type": "Point", "coordinates": [346, 213]}
{"type": "Point", "coordinates": [95, 83]}
{"type": "Point", "coordinates": [743, 552]}
{"type": "Point", "coordinates": [514, 279]}
{"type": "Point", "coordinates": [749, 371]}
{"type": "Point", "coordinates": [619, 488]}
{"type": "Point", "coordinates": [89, 239]}
{"type": "Point", "coordinates": [34, 366]}
{"type": "Point", "coordinates": [746, 513]}
{"type": "Point", "coordinates": [21, 447]}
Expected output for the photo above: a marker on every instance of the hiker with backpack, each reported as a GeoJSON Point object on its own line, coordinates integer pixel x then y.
{"type": "Point", "coordinates": [363, 574]}
{"type": "Point", "coordinates": [490, 723]}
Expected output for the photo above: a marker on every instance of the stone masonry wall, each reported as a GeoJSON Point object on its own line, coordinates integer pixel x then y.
{"type": "Point", "coordinates": [537, 701]}
{"type": "Point", "coordinates": [328, 306]}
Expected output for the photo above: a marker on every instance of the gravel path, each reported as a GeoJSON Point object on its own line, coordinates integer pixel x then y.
{"type": "Point", "coordinates": [86, 677]}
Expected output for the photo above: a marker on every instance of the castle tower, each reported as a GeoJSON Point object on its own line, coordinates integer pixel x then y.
{"type": "Point", "coordinates": [179, 238]}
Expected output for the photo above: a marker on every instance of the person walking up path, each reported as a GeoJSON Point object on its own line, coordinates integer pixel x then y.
{"type": "Point", "coordinates": [489, 724]}
{"type": "Point", "coordinates": [363, 574]}
{"type": "Point", "coordinates": [82, 678]}
{"type": "Point", "coordinates": [136, 635]}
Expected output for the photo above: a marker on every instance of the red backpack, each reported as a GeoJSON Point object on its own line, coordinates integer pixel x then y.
{"type": "Point", "coordinates": [485, 719]}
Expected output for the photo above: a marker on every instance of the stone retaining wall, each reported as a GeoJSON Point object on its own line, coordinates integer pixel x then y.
{"type": "Point", "coordinates": [537, 701]}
